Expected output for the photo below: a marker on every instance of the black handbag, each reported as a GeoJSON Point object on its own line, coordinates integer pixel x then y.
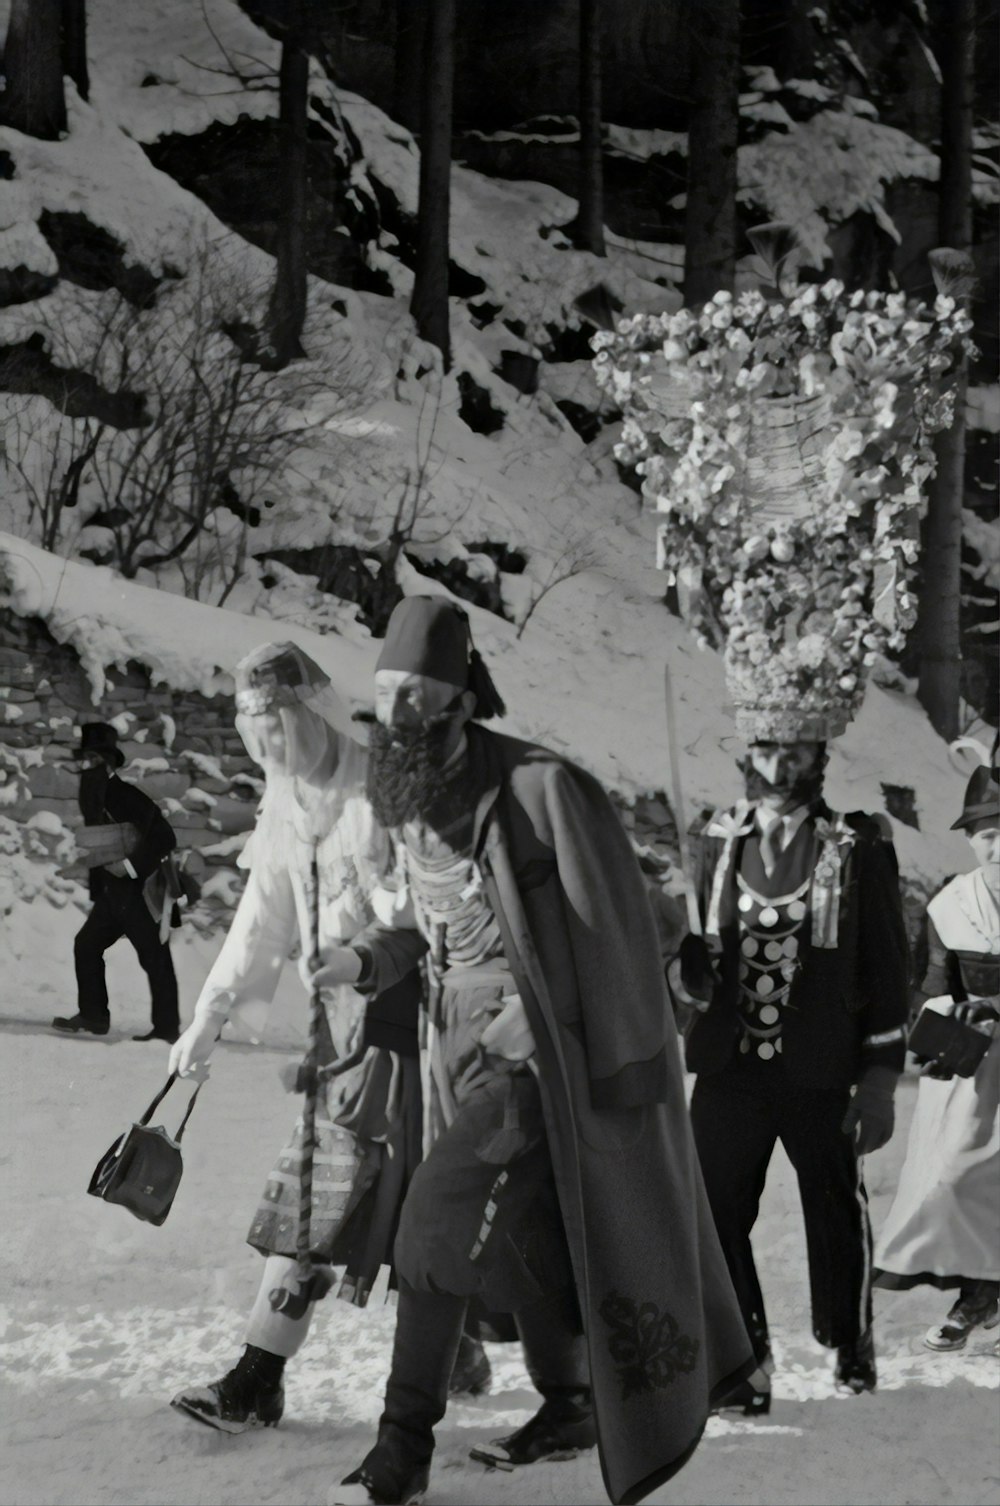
{"type": "Point", "coordinates": [956, 1049]}
{"type": "Point", "coordinates": [142, 1170]}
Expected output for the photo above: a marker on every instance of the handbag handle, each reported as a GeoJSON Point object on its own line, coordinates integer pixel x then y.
{"type": "Point", "coordinates": [159, 1099]}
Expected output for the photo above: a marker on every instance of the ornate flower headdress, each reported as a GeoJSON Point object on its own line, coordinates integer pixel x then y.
{"type": "Point", "coordinates": [786, 439]}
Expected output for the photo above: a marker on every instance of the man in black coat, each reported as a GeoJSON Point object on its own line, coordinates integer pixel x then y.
{"type": "Point", "coordinates": [120, 906]}
{"type": "Point", "coordinates": [800, 995]}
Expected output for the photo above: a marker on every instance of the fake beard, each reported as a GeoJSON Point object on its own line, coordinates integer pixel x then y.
{"type": "Point", "coordinates": [406, 776]}
{"type": "Point", "coordinates": [93, 788]}
{"type": "Point", "coordinates": [807, 789]}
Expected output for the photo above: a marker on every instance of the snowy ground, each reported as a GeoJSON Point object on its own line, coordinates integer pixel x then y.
{"type": "Point", "coordinates": [104, 1317]}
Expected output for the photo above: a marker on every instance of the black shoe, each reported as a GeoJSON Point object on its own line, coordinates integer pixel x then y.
{"type": "Point", "coordinates": [472, 1375]}
{"type": "Point", "coordinates": [74, 1024]}
{"type": "Point", "coordinates": [854, 1372]}
{"type": "Point", "coordinates": [374, 1486]}
{"type": "Point", "coordinates": [158, 1035]}
{"type": "Point", "coordinates": [560, 1429]}
{"type": "Point", "coordinates": [747, 1398]}
{"type": "Point", "coordinates": [251, 1395]}
{"type": "Point", "coordinates": [966, 1315]}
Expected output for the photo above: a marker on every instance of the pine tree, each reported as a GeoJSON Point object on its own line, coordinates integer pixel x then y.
{"type": "Point", "coordinates": [713, 131]}
{"type": "Point", "coordinates": [588, 227]}
{"type": "Point", "coordinates": [34, 100]}
{"type": "Point", "coordinates": [939, 627]}
{"type": "Point", "coordinates": [429, 304]}
{"type": "Point", "coordinates": [74, 45]}
{"type": "Point", "coordinates": [287, 312]}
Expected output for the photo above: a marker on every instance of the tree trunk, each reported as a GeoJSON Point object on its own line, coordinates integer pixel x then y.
{"type": "Point", "coordinates": [74, 45]}
{"type": "Point", "coordinates": [33, 100]}
{"type": "Point", "coordinates": [940, 628]}
{"type": "Point", "coordinates": [429, 304]}
{"type": "Point", "coordinates": [588, 229]}
{"type": "Point", "coordinates": [408, 62]}
{"type": "Point", "coordinates": [287, 312]}
{"type": "Point", "coordinates": [710, 219]}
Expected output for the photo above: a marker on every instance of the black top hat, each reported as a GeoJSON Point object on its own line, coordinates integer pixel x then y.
{"type": "Point", "coordinates": [100, 737]}
{"type": "Point", "coordinates": [982, 799]}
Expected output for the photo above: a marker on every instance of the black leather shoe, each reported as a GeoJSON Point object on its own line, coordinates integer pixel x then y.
{"type": "Point", "coordinates": [251, 1395]}
{"type": "Point", "coordinates": [746, 1398]}
{"type": "Point", "coordinates": [560, 1429]}
{"type": "Point", "coordinates": [855, 1371]}
{"type": "Point", "coordinates": [158, 1035]}
{"type": "Point", "coordinates": [371, 1486]}
{"type": "Point", "coordinates": [74, 1024]}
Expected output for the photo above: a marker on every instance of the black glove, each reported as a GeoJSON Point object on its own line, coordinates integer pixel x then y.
{"type": "Point", "coordinates": [698, 975]}
{"type": "Point", "coordinates": [870, 1117]}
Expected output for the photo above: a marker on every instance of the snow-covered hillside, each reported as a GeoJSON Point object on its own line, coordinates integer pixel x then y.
{"type": "Point", "coordinates": [585, 671]}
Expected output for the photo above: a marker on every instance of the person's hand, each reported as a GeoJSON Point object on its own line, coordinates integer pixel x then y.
{"type": "Point", "coordinates": [871, 1117]}
{"type": "Point", "coordinates": [977, 1012]}
{"type": "Point", "coordinates": [190, 1052]}
{"type": "Point", "coordinates": [291, 1076]}
{"type": "Point", "coordinates": [508, 1034]}
{"type": "Point", "coordinates": [335, 964]}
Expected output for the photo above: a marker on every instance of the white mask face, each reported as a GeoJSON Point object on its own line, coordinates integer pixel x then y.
{"type": "Point", "coordinates": [290, 740]}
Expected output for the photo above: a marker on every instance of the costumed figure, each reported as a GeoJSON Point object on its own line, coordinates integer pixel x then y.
{"type": "Point", "coordinates": [316, 855]}
{"type": "Point", "coordinates": [559, 1181]}
{"type": "Point", "coordinates": [785, 435]}
{"type": "Point", "coordinates": [943, 1228]}
{"type": "Point", "coordinates": [125, 841]}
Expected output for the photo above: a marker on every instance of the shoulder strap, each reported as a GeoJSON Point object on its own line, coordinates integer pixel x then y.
{"type": "Point", "coordinates": [159, 1099]}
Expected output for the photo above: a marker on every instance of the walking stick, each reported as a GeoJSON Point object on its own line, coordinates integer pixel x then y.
{"type": "Point", "coordinates": [680, 809]}
{"type": "Point", "coordinates": [313, 1281]}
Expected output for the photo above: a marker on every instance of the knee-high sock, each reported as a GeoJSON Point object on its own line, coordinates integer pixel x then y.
{"type": "Point", "coordinates": [276, 1332]}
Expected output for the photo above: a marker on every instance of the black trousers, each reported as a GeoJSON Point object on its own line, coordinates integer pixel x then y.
{"type": "Point", "coordinates": [738, 1114]}
{"type": "Point", "coordinates": [477, 1227]}
{"type": "Point", "coordinates": [120, 910]}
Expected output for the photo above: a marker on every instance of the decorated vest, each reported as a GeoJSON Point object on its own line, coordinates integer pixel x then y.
{"type": "Point", "coordinates": [447, 892]}
{"type": "Point", "coordinates": [773, 911]}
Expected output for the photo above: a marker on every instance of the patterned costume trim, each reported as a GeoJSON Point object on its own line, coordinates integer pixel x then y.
{"type": "Point", "coordinates": [646, 1344]}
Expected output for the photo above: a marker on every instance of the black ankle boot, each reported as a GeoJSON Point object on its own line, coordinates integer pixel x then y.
{"type": "Point", "coordinates": [251, 1395]}
{"type": "Point", "coordinates": [562, 1427]}
{"type": "Point", "coordinates": [748, 1398]}
{"type": "Point", "coordinates": [376, 1483]}
{"type": "Point", "coordinates": [855, 1372]}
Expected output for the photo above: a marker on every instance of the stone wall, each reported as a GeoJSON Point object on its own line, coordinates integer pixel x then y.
{"type": "Point", "coordinates": [180, 747]}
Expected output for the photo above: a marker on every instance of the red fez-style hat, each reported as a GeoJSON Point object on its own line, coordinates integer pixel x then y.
{"type": "Point", "coordinates": [430, 635]}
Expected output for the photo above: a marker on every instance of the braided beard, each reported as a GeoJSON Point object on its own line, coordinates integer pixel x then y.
{"type": "Point", "coordinates": [407, 779]}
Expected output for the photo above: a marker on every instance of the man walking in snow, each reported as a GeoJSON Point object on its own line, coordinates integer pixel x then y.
{"type": "Point", "coordinates": [117, 888]}
{"type": "Point", "coordinates": [801, 990]}
{"type": "Point", "coordinates": [559, 1180]}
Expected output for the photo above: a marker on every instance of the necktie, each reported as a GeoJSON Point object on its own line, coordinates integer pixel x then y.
{"type": "Point", "coordinates": [771, 843]}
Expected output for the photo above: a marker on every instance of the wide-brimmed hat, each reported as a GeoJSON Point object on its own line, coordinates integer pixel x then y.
{"type": "Point", "coordinates": [276, 674]}
{"type": "Point", "coordinates": [982, 799]}
{"type": "Point", "coordinates": [100, 738]}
